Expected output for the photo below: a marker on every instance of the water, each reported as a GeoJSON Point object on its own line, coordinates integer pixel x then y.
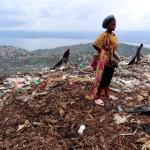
{"type": "Point", "coordinates": [137, 44]}
{"type": "Point", "coordinates": [41, 43]}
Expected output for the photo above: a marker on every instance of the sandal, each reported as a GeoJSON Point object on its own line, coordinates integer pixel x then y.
{"type": "Point", "coordinates": [99, 102]}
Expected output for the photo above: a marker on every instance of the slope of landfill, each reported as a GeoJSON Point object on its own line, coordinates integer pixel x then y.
{"type": "Point", "coordinates": [44, 111]}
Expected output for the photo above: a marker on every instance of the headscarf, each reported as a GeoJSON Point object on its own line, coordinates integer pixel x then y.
{"type": "Point", "coordinates": [107, 20]}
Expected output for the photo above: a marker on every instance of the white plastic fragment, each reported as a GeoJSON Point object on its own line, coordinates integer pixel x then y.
{"type": "Point", "coordinates": [62, 68]}
{"type": "Point", "coordinates": [25, 125]}
{"type": "Point", "coordinates": [81, 129]}
{"type": "Point", "coordinates": [52, 71]}
{"type": "Point", "coordinates": [119, 120]}
{"type": "Point", "coordinates": [146, 146]}
{"type": "Point", "coordinates": [128, 98]}
{"type": "Point", "coordinates": [115, 90]}
{"type": "Point", "coordinates": [64, 77]}
{"type": "Point", "coordinates": [120, 109]}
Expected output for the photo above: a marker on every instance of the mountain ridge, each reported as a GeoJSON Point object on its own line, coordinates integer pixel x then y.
{"type": "Point", "coordinates": [16, 59]}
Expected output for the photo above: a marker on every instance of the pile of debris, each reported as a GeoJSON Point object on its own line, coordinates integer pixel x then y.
{"type": "Point", "coordinates": [48, 110]}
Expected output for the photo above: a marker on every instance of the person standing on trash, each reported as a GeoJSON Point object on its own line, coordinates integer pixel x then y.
{"type": "Point", "coordinates": [105, 44]}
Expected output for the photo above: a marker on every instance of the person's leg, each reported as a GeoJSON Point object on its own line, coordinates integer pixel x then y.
{"type": "Point", "coordinates": [101, 85]}
{"type": "Point", "coordinates": [106, 90]}
{"type": "Point", "coordinates": [109, 75]}
{"type": "Point", "coordinates": [99, 91]}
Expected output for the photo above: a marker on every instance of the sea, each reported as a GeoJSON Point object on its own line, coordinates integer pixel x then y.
{"type": "Point", "coordinates": [32, 44]}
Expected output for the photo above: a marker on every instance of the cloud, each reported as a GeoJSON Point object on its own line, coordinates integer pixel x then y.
{"type": "Point", "coordinates": [5, 23]}
{"type": "Point", "coordinates": [52, 15]}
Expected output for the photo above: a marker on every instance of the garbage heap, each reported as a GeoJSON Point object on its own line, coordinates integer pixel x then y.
{"type": "Point", "coordinates": [48, 110]}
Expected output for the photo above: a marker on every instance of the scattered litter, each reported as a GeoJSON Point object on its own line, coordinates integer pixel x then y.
{"type": "Point", "coordinates": [55, 107]}
{"type": "Point", "coordinates": [144, 110]}
{"type": "Point", "coordinates": [36, 82]}
{"type": "Point", "coordinates": [146, 146]}
{"type": "Point", "coordinates": [119, 120]}
{"type": "Point", "coordinates": [25, 125]}
{"type": "Point", "coordinates": [26, 98]}
{"type": "Point", "coordinates": [81, 129]}
{"type": "Point", "coordinates": [143, 140]}
{"type": "Point", "coordinates": [52, 71]}
{"type": "Point", "coordinates": [146, 128]}
{"type": "Point", "coordinates": [64, 77]}
{"type": "Point", "coordinates": [140, 97]}
{"type": "Point", "coordinates": [81, 66]}
{"type": "Point", "coordinates": [112, 97]}
{"type": "Point", "coordinates": [134, 131]}
{"type": "Point", "coordinates": [115, 90]}
{"type": "Point", "coordinates": [120, 109]}
{"type": "Point", "coordinates": [36, 123]}
{"type": "Point", "coordinates": [19, 90]}
{"type": "Point", "coordinates": [128, 98]}
{"type": "Point", "coordinates": [62, 68]}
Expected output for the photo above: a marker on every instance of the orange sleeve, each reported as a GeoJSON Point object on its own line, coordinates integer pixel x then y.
{"type": "Point", "coordinates": [100, 41]}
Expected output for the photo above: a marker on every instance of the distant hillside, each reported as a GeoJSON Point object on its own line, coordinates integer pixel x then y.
{"type": "Point", "coordinates": [124, 50]}
{"type": "Point", "coordinates": [10, 52]}
{"type": "Point", "coordinates": [17, 59]}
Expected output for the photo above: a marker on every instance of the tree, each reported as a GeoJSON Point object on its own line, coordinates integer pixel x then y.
{"type": "Point", "coordinates": [136, 58]}
{"type": "Point", "coordinates": [63, 60]}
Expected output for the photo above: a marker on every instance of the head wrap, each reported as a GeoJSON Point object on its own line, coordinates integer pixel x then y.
{"type": "Point", "coordinates": [107, 20]}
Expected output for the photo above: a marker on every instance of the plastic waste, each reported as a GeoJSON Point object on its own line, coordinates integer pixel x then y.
{"type": "Point", "coordinates": [81, 129]}
{"type": "Point", "coordinates": [81, 66]}
{"type": "Point", "coordinates": [18, 85]}
{"type": "Point", "coordinates": [144, 110]}
{"type": "Point", "coordinates": [119, 120]}
{"type": "Point", "coordinates": [1, 93]}
{"type": "Point", "coordinates": [112, 97]}
{"type": "Point", "coordinates": [120, 109]}
{"type": "Point", "coordinates": [52, 71]}
{"type": "Point", "coordinates": [115, 90]}
{"type": "Point", "coordinates": [25, 98]}
{"type": "Point", "coordinates": [36, 82]}
{"type": "Point", "coordinates": [42, 93]}
{"type": "Point", "coordinates": [64, 77]}
{"type": "Point", "coordinates": [19, 90]}
{"type": "Point", "coordinates": [146, 146]}
{"type": "Point", "coordinates": [62, 68]}
{"type": "Point", "coordinates": [25, 125]}
{"type": "Point", "coordinates": [146, 128]}
{"type": "Point", "coordinates": [143, 140]}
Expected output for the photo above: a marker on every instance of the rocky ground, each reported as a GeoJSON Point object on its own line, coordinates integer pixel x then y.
{"type": "Point", "coordinates": [45, 110]}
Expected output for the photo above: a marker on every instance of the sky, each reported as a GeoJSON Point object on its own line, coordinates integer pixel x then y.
{"type": "Point", "coordinates": [73, 15]}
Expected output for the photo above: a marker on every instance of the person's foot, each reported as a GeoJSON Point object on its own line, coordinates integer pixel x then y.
{"type": "Point", "coordinates": [112, 97]}
{"type": "Point", "coordinates": [99, 102]}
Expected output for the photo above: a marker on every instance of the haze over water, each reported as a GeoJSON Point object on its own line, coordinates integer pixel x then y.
{"type": "Point", "coordinates": [41, 40]}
